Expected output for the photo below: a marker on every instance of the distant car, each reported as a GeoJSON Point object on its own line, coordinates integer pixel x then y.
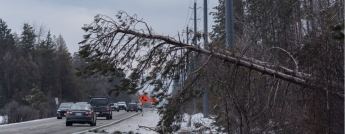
{"type": "Point", "coordinates": [81, 113]}
{"type": "Point", "coordinates": [114, 107]}
{"type": "Point", "coordinates": [132, 107]}
{"type": "Point", "coordinates": [61, 111]}
{"type": "Point", "coordinates": [101, 106]}
{"type": "Point", "coordinates": [140, 107]}
{"type": "Point", "coordinates": [122, 105]}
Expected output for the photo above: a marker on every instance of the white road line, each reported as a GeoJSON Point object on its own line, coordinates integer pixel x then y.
{"type": "Point", "coordinates": [107, 124]}
{"type": "Point", "coordinates": [5, 125]}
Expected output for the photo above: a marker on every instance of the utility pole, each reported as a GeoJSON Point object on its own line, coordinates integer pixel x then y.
{"type": "Point", "coordinates": [205, 109]}
{"type": "Point", "coordinates": [229, 23]}
{"type": "Point", "coordinates": [188, 67]}
{"type": "Point", "coordinates": [187, 35]}
{"type": "Point", "coordinates": [193, 55]}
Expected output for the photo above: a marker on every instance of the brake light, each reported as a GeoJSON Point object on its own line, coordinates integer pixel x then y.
{"type": "Point", "coordinates": [69, 112]}
{"type": "Point", "coordinates": [88, 112]}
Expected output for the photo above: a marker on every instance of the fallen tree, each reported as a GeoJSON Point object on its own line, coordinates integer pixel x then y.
{"type": "Point", "coordinates": [111, 45]}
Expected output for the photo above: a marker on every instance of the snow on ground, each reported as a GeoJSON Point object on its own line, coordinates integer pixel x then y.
{"type": "Point", "coordinates": [149, 119]}
{"type": "Point", "coordinates": [197, 123]}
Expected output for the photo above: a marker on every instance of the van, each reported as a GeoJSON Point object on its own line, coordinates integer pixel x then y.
{"type": "Point", "coordinates": [101, 106]}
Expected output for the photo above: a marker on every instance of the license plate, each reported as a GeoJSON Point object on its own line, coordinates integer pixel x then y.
{"type": "Point", "coordinates": [97, 112]}
{"type": "Point", "coordinates": [78, 114]}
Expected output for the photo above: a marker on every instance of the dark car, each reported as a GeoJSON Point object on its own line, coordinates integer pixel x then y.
{"type": "Point", "coordinates": [61, 111]}
{"type": "Point", "coordinates": [101, 106]}
{"type": "Point", "coordinates": [132, 107]}
{"type": "Point", "coordinates": [81, 113]}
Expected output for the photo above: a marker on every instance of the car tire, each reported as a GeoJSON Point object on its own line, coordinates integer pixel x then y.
{"type": "Point", "coordinates": [67, 124]}
{"type": "Point", "coordinates": [93, 123]}
{"type": "Point", "coordinates": [59, 117]}
{"type": "Point", "coordinates": [108, 117]}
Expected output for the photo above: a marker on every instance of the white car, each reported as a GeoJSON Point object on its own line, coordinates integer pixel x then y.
{"type": "Point", "coordinates": [114, 107]}
{"type": "Point", "coordinates": [122, 105]}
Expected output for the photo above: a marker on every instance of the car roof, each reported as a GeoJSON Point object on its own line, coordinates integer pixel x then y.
{"type": "Point", "coordinates": [81, 102]}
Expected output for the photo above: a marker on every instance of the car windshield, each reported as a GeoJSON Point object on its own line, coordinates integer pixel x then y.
{"type": "Point", "coordinates": [65, 105]}
{"type": "Point", "coordinates": [99, 102]}
{"type": "Point", "coordinates": [132, 105]}
{"type": "Point", "coordinates": [79, 107]}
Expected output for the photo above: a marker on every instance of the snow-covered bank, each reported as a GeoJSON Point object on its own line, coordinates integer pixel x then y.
{"type": "Point", "coordinates": [145, 123]}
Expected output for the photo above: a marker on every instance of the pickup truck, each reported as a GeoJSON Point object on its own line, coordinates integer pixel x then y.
{"type": "Point", "coordinates": [101, 106]}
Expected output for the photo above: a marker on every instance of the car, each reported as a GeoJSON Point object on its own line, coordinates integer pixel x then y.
{"type": "Point", "coordinates": [81, 102]}
{"type": "Point", "coordinates": [61, 111]}
{"type": "Point", "coordinates": [101, 106]}
{"type": "Point", "coordinates": [140, 107]}
{"type": "Point", "coordinates": [122, 105]}
{"type": "Point", "coordinates": [132, 107]}
{"type": "Point", "coordinates": [81, 113]}
{"type": "Point", "coordinates": [114, 107]}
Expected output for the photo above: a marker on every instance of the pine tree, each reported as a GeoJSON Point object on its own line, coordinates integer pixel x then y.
{"type": "Point", "coordinates": [6, 45]}
{"type": "Point", "coordinates": [27, 40]}
{"type": "Point", "coordinates": [47, 65]}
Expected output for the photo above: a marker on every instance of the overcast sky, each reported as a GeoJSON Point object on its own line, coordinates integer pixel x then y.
{"type": "Point", "coordinates": [66, 17]}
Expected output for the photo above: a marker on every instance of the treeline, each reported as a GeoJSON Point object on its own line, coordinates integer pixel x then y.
{"type": "Point", "coordinates": [304, 35]}
{"type": "Point", "coordinates": [36, 59]}
{"type": "Point", "coordinates": [35, 68]}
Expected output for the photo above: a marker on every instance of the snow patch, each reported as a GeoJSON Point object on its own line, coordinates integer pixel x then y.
{"type": "Point", "coordinates": [146, 122]}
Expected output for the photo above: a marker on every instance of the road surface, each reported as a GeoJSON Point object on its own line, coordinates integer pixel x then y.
{"type": "Point", "coordinates": [58, 126]}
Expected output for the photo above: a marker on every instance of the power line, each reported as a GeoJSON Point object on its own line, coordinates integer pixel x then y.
{"type": "Point", "coordinates": [199, 19]}
{"type": "Point", "coordinates": [185, 23]}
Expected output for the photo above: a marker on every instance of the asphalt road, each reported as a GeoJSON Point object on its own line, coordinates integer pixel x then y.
{"type": "Point", "coordinates": [58, 126]}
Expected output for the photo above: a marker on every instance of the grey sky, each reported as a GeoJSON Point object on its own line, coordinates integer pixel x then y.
{"type": "Point", "coordinates": [66, 17]}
